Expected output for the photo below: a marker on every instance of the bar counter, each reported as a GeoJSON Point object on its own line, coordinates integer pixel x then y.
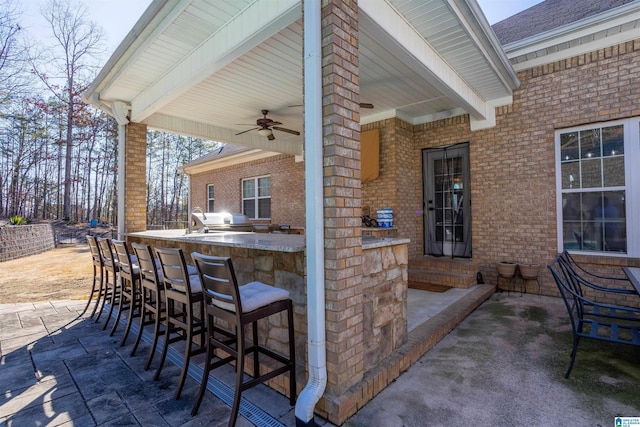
{"type": "Point", "coordinates": [279, 260]}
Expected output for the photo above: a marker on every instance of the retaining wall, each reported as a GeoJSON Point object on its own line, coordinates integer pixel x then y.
{"type": "Point", "coordinates": [22, 240]}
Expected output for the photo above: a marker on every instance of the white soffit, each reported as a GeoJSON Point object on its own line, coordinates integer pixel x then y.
{"type": "Point", "coordinates": [256, 23]}
{"type": "Point", "coordinates": [206, 68]}
{"type": "Point", "coordinates": [612, 27]}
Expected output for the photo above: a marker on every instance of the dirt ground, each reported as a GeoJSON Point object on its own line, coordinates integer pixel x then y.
{"type": "Point", "coordinates": [62, 273]}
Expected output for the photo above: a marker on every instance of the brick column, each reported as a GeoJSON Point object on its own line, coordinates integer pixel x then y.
{"type": "Point", "coordinates": [342, 195]}
{"type": "Point", "coordinates": [135, 199]}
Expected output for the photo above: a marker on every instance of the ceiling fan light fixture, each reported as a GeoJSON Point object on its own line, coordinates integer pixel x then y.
{"type": "Point", "coordinates": [265, 132]}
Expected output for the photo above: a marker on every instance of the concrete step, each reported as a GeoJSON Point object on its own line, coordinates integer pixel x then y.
{"type": "Point", "coordinates": [442, 271]}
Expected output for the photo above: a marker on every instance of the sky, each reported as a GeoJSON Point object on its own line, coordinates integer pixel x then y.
{"type": "Point", "coordinates": [117, 17]}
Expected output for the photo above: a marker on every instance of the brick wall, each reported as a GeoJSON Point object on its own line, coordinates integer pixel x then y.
{"type": "Point", "coordinates": [399, 184]}
{"type": "Point", "coordinates": [513, 164]}
{"type": "Point", "coordinates": [135, 203]}
{"type": "Point", "coordinates": [342, 197]}
{"type": "Point", "coordinates": [287, 187]}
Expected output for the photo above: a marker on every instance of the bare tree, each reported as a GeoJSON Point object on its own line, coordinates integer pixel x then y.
{"type": "Point", "coordinates": [12, 51]}
{"type": "Point", "coordinates": [78, 42]}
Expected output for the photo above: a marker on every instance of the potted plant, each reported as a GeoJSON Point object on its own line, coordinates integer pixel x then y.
{"type": "Point", "coordinates": [506, 268]}
{"type": "Point", "coordinates": [529, 271]}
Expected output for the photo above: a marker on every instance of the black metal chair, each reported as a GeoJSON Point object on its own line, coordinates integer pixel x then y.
{"type": "Point", "coordinates": [240, 306]}
{"type": "Point", "coordinates": [152, 310]}
{"type": "Point", "coordinates": [129, 274]}
{"type": "Point", "coordinates": [111, 282]}
{"type": "Point", "coordinates": [97, 288]}
{"type": "Point", "coordinates": [592, 319]}
{"type": "Point", "coordinates": [182, 323]}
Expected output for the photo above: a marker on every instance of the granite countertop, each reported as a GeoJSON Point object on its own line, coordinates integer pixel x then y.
{"type": "Point", "coordinates": [238, 239]}
{"type": "Point", "coordinates": [261, 241]}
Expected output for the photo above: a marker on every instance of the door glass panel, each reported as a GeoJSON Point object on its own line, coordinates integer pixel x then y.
{"type": "Point", "coordinates": [447, 230]}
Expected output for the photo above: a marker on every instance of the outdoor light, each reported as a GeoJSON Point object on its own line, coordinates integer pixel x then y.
{"type": "Point", "coordinates": [265, 132]}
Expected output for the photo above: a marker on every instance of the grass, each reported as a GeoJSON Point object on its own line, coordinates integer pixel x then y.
{"type": "Point", "coordinates": [62, 273]}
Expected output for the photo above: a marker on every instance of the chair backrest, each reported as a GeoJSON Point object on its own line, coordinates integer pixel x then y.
{"type": "Point", "coordinates": [580, 277]}
{"type": "Point", "coordinates": [123, 257]}
{"type": "Point", "coordinates": [572, 300]}
{"type": "Point", "coordinates": [106, 251]}
{"type": "Point", "coordinates": [174, 269]}
{"type": "Point", "coordinates": [219, 283]}
{"type": "Point", "coordinates": [148, 270]}
{"type": "Point", "coordinates": [564, 266]}
{"type": "Point", "coordinates": [95, 251]}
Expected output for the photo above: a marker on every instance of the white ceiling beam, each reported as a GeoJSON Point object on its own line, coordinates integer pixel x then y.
{"type": "Point", "coordinates": [256, 23]}
{"type": "Point", "coordinates": [283, 143]}
{"type": "Point", "coordinates": [404, 41]}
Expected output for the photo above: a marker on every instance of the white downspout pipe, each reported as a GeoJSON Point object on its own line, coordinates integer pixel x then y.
{"type": "Point", "coordinates": [314, 224]}
{"type": "Point", "coordinates": [121, 179]}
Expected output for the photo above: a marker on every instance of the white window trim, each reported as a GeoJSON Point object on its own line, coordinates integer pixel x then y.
{"type": "Point", "coordinates": [632, 185]}
{"type": "Point", "coordinates": [256, 197]}
{"type": "Point", "coordinates": [211, 199]}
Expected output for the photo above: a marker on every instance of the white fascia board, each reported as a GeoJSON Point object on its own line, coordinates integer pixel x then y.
{"type": "Point", "coordinates": [378, 117]}
{"type": "Point", "coordinates": [154, 20]}
{"type": "Point", "coordinates": [258, 22]}
{"type": "Point", "coordinates": [214, 133]}
{"type": "Point", "coordinates": [574, 51]}
{"type": "Point", "coordinates": [394, 33]}
{"type": "Point", "coordinates": [592, 25]}
{"type": "Point", "coordinates": [235, 159]}
{"type": "Point", "coordinates": [490, 122]}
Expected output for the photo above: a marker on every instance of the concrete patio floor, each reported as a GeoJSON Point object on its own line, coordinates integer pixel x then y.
{"type": "Point", "coordinates": [502, 366]}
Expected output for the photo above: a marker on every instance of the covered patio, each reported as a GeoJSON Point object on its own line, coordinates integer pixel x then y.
{"type": "Point", "coordinates": [208, 69]}
{"type": "Point", "coordinates": [503, 365]}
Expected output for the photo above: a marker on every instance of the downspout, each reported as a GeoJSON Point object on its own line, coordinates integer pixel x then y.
{"type": "Point", "coordinates": [121, 179]}
{"type": "Point", "coordinates": [189, 227]}
{"type": "Point", "coordinates": [119, 110]}
{"type": "Point", "coordinates": [314, 224]}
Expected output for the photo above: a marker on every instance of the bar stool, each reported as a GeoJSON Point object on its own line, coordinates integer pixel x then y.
{"type": "Point", "coordinates": [181, 292]}
{"type": "Point", "coordinates": [98, 276]}
{"type": "Point", "coordinates": [129, 274]}
{"type": "Point", "coordinates": [152, 298]}
{"type": "Point", "coordinates": [111, 282]}
{"type": "Point", "coordinates": [240, 306]}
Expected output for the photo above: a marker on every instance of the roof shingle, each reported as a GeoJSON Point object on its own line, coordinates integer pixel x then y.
{"type": "Point", "coordinates": [548, 15]}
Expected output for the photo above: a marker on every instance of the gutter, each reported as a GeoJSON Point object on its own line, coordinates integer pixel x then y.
{"type": "Point", "coordinates": [479, 29]}
{"type": "Point", "coordinates": [314, 212]}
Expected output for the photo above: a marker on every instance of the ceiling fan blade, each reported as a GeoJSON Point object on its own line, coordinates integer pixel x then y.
{"type": "Point", "coordinates": [245, 131]}
{"type": "Point", "coordinates": [272, 123]}
{"type": "Point", "coordinates": [271, 137]}
{"type": "Point", "coordinates": [293, 132]}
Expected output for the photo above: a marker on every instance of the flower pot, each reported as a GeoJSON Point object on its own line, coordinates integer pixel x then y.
{"type": "Point", "coordinates": [529, 271]}
{"type": "Point", "coordinates": [506, 269]}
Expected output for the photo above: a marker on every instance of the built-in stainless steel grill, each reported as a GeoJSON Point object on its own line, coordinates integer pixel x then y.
{"type": "Point", "coordinates": [220, 221]}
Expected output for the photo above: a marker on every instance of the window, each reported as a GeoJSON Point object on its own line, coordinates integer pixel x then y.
{"type": "Point", "coordinates": [256, 197]}
{"type": "Point", "coordinates": [595, 187]}
{"type": "Point", "coordinates": [210, 198]}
